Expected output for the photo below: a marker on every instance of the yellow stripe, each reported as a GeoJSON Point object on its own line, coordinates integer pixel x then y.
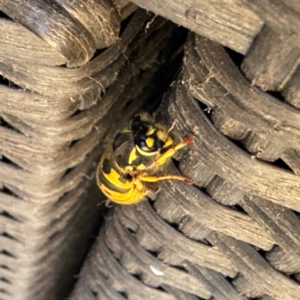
{"type": "Point", "coordinates": [113, 177]}
{"type": "Point", "coordinates": [131, 197]}
{"type": "Point", "coordinates": [149, 142]}
{"type": "Point", "coordinates": [150, 130]}
{"type": "Point", "coordinates": [162, 135]}
{"type": "Point", "coordinates": [141, 167]}
{"type": "Point", "coordinates": [145, 153]}
{"type": "Point", "coordinates": [132, 156]}
{"type": "Point", "coordinates": [169, 142]}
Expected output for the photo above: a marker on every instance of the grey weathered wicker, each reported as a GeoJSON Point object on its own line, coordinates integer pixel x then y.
{"type": "Point", "coordinates": [53, 126]}
{"type": "Point", "coordinates": [232, 235]}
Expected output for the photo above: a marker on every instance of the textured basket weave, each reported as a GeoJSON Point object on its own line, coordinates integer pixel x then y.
{"type": "Point", "coordinates": [234, 234]}
{"type": "Point", "coordinates": [52, 119]}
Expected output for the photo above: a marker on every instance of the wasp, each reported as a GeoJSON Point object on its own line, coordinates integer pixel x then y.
{"type": "Point", "coordinates": [126, 172]}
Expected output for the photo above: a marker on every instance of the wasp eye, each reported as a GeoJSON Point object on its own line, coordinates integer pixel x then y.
{"type": "Point", "coordinates": [142, 144]}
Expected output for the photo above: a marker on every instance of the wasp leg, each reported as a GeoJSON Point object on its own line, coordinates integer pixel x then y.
{"type": "Point", "coordinates": [171, 151]}
{"type": "Point", "coordinates": [153, 178]}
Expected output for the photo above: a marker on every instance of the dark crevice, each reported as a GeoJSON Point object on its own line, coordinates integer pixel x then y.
{"type": "Point", "coordinates": [175, 226]}
{"type": "Point", "coordinates": [295, 278]}
{"type": "Point", "coordinates": [297, 214]}
{"type": "Point", "coordinates": [277, 163]}
{"type": "Point", "coordinates": [7, 191]}
{"type": "Point", "coordinates": [10, 162]}
{"type": "Point", "coordinates": [97, 52]}
{"type": "Point", "coordinates": [205, 242]}
{"type": "Point", "coordinates": [179, 268]}
{"type": "Point", "coordinates": [239, 209]}
{"type": "Point", "coordinates": [4, 124]}
{"type": "Point", "coordinates": [276, 95]}
{"type": "Point", "coordinates": [69, 170]}
{"type": "Point", "coordinates": [116, 256]}
{"type": "Point", "coordinates": [159, 288]}
{"type": "Point", "coordinates": [4, 252]}
{"type": "Point", "coordinates": [5, 234]}
{"type": "Point", "coordinates": [5, 214]}
{"type": "Point", "coordinates": [207, 110]}
{"type": "Point", "coordinates": [240, 145]}
{"type": "Point", "coordinates": [3, 279]}
{"type": "Point", "coordinates": [124, 295]}
{"type": "Point", "coordinates": [53, 236]}
{"type": "Point", "coordinates": [73, 143]}
{"type": "Point", "coordinates": [4, 16]}
{"type": "Point", "coordinates": [261, 252]}
{"type": "Point", "coordinates": [164, 76]}
{"type": "Point", "coordinates": [203, 106]}
{"type": "Point", "coordinates": [4, 267]}
{"type": "Point", "coordinates": [176, 163]}
{"type": "Point", "coordinates": [230, 281]}
{"type": "Point", "coordinates": [124, 23]}
{"type": "Point", "coordinates": [76, 112]}
{"type": "Point", "coordinates": [131, 230]}
{"type": "Point", "coordinates": [95, 294]}
{"type": "Point", "coordinates": [137, 276]}
{"type": "Point", "coordinates": [204, 190]}
{"type": "Point", "coordinates": [3, 291]}
{"type": "Point", "coordinates": [236, 57]}
{"type": "Point", "coordinates": [129, 102]}
{"type": "Point", "coordinates": [153, 253]}
{"type": "Point", "coordinates": [281, 164]}
{"type": "Point", "coordinates": [4, 81]}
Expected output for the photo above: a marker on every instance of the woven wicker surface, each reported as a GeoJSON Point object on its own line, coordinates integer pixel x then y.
{"type": "Point", "coordinates": [73, 29]}
{"type": "Point", "coordinates": [234, 234]}
{"type": "Point", "coordinates": [212, 254]}
{"type": "Point", "coordinates": [266, 31]}
{"type": "Point", "coordinates": [52, 119]}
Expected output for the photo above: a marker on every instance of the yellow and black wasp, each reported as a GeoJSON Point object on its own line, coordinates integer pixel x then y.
{"type": "Point", "coordinates": [125, 172]}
